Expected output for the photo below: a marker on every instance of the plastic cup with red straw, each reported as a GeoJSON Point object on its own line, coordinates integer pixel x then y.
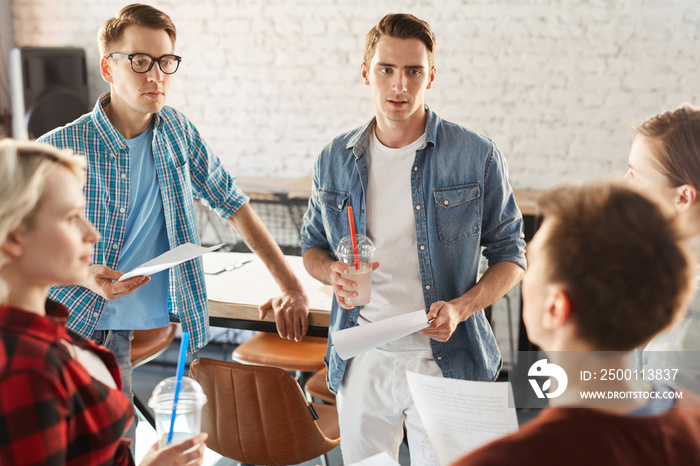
{"type": "Point", "coordinates": [359, 250]}
{"type": "Point", "coordinates": [354, 239]}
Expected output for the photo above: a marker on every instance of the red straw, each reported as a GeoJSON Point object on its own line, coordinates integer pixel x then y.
{"type": "Point", "coordinates": [354, 239]}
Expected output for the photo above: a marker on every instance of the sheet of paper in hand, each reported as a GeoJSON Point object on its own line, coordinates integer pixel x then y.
{"type": "Point", "coordinates": [176, 255]}
{"type": "Point", "coordinates": [352, 341]}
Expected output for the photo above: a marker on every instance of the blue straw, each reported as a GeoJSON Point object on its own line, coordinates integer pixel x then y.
{"type": "Point", "coordinates": [180, 370]}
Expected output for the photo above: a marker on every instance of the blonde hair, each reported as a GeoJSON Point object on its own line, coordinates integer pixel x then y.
{"type": "Point", "coordinates": [24, 168]}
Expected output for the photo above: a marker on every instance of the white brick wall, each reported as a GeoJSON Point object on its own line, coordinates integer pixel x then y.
{"type": "Point", "coordinates": [556, 83]}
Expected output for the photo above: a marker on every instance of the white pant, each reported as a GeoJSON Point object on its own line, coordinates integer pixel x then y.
{"type": "Point", "coordinates": [374, 402]}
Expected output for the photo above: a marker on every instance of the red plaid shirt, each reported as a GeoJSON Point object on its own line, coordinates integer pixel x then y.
{"type": "Point", "coordinates": [51, 410]}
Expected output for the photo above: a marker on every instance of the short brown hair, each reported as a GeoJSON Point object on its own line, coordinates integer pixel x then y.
{"type": "Point", "coordinates": [622, 260]}
{"type": "Point", "coordinates": [401, 26]}
{"type": "Point", "coordinates": [133, 15]}
{"type": "Point", "coordinates": [675, 142]}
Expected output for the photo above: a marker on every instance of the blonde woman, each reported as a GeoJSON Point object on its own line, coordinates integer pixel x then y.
{"type": "Point", "coordinates": [60, 394]}
{"type": "Point", "coordinates": [665, 159]}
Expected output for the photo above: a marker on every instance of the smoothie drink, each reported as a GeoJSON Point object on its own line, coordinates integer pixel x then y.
{"type": "Point", "coordinates": [359, 261]}
{"type": "Point", "coordinates": [363, 278]}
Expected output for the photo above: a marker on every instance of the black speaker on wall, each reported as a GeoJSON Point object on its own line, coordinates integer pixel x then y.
{"type": "Point", "coordinates": [49, 89]}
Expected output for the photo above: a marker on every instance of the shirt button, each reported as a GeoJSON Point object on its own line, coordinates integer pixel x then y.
{"type": "Point", "coordinates": [115, 246]}
{"type": "Point", "coordinates": [364, 172]}
{"type": "Point", "coordinates": [363, 211]}
{"type": "Point", "coordinates": [417, 207]}
{"type": "Point", "coordinates": [122, 210]}
{"type": "Point", "coordinates": [340, 207]}
{"type": "Point", "coordinates": [415, 169]}
{"type": "Point", "coordinates": [352, 323]}
{"type": "Point", "coordinates": [96, 314]}
{"type": "Point", "coordinates": [446, 202]}
{"type": "Point", "coordinates": [427, 287]}
{"type": "Point", "coordinates": [422, 248]}
{"type": "Point", "coordinates": [123, 176]}
{"type": "Point", "coordinates": [439, 358]}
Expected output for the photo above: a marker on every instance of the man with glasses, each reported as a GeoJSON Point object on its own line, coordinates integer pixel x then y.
{"type": "Point", "coordinates": [146, 161]}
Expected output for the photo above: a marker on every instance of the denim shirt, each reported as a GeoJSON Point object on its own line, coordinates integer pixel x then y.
{"type": "Point", "coordinates": [462, 201]}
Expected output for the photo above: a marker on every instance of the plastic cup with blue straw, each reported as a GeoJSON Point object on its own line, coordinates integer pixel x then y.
{"type": "Point", "coordinates": [180, 371]}
{"type": "Point", "coordinates": [177, 403]}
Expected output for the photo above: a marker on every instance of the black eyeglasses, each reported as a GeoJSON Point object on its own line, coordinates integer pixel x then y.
{"type": "Point", "coordinates": [142, 62]}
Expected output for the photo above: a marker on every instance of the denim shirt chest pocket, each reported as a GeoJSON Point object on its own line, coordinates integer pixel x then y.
{"type": "Point", "coordinates": [335, 218]}
{"type": "Point", "coordinates": [458, 211]}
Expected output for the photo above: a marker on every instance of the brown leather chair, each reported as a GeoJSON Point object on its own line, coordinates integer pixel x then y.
{"type": "Point", "coordinates": [258, 414]}
{"type": "Point", "coordinates": [317, 387]}
{"type": "Point", "coordinates": [149, 344]}
{"type": "Point", "coordinates": [268, 349]}
{"type": "Point", "coordinates": [146, 346]}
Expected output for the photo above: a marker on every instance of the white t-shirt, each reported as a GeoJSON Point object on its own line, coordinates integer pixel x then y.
{"type": "Point", "coordinates": [396, 284]}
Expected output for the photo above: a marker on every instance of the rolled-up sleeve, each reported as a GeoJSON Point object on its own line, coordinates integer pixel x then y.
{"type": "Point", "coordinates": [502, 227]}
{"type": "Point", "coordinates": [313, 233]}
{"type": "Point", "coordinates": [210, 180]}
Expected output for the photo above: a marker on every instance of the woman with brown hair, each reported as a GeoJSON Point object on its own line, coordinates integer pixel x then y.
{"type": "Point", "coordinates": [665, 159]}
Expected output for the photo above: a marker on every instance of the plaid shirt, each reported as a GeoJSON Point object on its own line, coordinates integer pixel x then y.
{"type": "Point", "coordinates": [51, 410]}
{"type": "Point", "coordinates": [186, 168]}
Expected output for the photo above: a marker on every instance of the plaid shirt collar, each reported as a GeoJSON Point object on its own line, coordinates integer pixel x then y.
{"type": "Point", "coordinates": [106, 130]}
{"type": "Point", "coordinates": [51, 327]}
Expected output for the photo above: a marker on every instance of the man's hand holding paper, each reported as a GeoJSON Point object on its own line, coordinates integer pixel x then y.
{"type": "Point", "coordinates": [444, 316]}
{"type": "Point", "coordinates": [104, 281]}
{"type": "Point", "coordinates": [112, 284]}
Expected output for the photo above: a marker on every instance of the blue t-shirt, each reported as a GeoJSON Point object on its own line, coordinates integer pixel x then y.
{"type": "Point", "coordinates": [145, 237]}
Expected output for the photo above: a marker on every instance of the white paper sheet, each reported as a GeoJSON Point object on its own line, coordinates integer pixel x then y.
{"type": "Point", "coordinates": [380, 459]}
{"type": "Point", "coordinates": [352, 341]}
{"type": "Point", "coordinates": [176, 255]}
{"type": "Point", "coordinates": [462, 415]}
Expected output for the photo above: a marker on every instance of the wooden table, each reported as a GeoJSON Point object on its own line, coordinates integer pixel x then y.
{"type": "Point", "coordinates": [527, 201]}
{"type": "Point", "coordinates": [272, 189]}
{"type": "Point", "coordinates": [234, 296]}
